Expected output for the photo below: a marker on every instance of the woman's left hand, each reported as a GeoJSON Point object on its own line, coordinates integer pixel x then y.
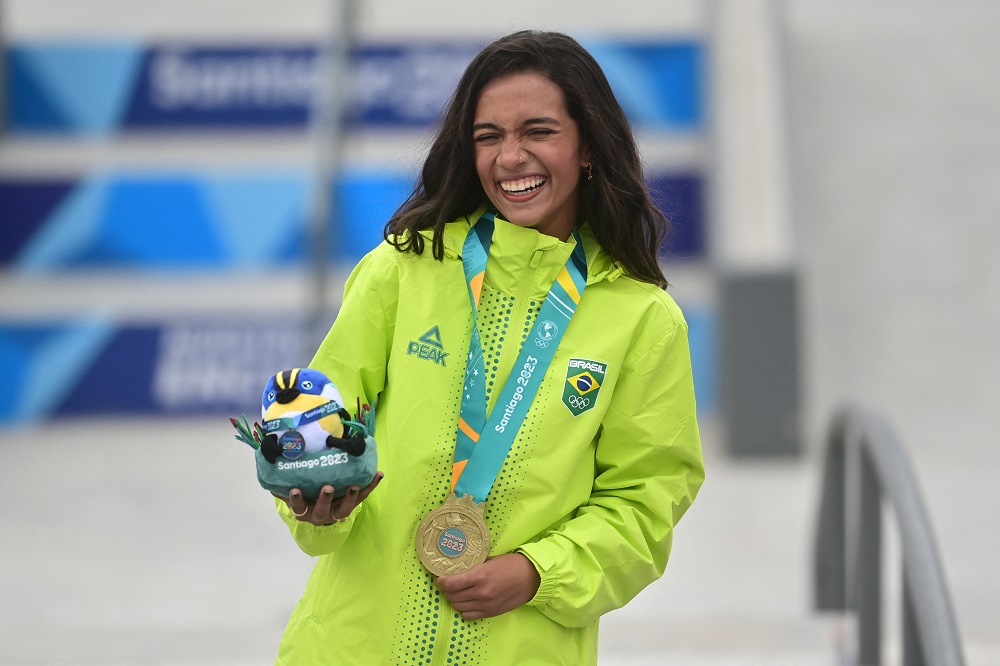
{"type": "Point", "coordinates": [325, 510]}
{"type": "Point", "coordinates": [494, 587]}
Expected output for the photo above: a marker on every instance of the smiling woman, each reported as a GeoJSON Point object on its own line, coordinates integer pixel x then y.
{"type": "Point", "coordinates": [539, 454]}
{"type": "Point", "coordinates": [528, 153]}
{"type": "Point", "coordinates": [612, 199]}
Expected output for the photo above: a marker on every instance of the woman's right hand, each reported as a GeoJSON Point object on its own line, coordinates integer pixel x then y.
{"type": "Point", "coordinates": [327, 509]}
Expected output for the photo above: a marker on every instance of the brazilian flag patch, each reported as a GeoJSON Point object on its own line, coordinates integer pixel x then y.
{"type": "Point", "coordinates": [583, 383]}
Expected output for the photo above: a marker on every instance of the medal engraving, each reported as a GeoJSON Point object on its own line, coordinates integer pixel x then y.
{"type": "Point", "coordinates": [453, 537]}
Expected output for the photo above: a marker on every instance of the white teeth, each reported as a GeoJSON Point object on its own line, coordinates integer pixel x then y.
{"type": "Point", "coordinates": [521, 185]}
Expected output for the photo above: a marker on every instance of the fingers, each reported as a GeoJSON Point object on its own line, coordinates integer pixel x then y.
{"type": "Point", "coordinates": [367, 490]}
{"type": "Point", "coordinates": [457, 583]}
{"type": "Point", "coordinates": [498, 585]}
{"type": "Point", "coordinates": [323, 509]}
{"type": "Point", "coordinates": [467, 594]}
{"type": "Point", "coordinates": [318, 512]}
{"type": "Point", "coordinates": [297, 503]}
{"type": "Point", "coordinates": [473, 614]}
{"type": "Point", "coordinates": [346, 504]}
{"type": "Point", "coordinates": [327, 509]}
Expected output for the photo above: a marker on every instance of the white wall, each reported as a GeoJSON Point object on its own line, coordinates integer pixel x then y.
{"type": "Point", "coordinates": [275, 20]}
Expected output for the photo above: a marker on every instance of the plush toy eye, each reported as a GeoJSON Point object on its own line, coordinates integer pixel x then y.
{"type": "Point", "coordinates": [270, 395]}
{"type": "Point", "coordinates": [307, 384]}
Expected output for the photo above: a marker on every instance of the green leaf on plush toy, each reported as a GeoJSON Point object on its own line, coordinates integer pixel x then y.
{"type": "Point", "coordinates": [244, 433]}
{"type": "Point", "coordinates": [364, 420]}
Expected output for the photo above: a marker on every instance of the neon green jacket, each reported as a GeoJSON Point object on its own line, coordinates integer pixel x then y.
{"type": "Point", "coordinates": [590, 495]}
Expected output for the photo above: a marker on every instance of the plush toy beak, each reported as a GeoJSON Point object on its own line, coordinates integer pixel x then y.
{"type": "Point", "coordinates": [285, 396]}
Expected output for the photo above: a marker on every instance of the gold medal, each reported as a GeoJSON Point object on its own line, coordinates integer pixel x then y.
{"type": "Point", "coordinates": [453, 537]}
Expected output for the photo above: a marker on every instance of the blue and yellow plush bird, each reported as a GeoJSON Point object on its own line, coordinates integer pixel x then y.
{"type": "Point", "coordinates": [308, 439]}
{"type": "Point", "coordinates": [303, 412]}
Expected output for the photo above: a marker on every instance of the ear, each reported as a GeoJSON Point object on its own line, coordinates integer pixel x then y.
{"type": "Point", "coordinates": [586, 165]}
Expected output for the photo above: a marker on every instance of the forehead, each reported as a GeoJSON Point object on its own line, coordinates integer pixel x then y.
{"type": "Point", "coordinates": [526, 94]}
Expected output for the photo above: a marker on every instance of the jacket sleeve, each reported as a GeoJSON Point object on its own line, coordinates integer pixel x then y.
{"type": "Point", "coordinates": [314, 540]}
{"type": "Point", "coordinates": [354, 356]}
{"type": "Point", "coordinates": [648, 469]}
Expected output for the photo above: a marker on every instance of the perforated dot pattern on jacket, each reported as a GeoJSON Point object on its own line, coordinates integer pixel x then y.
{"type": "Point", "coordinates": [425, 618]}
{"type": "Point", "coordinates": [495, 313]}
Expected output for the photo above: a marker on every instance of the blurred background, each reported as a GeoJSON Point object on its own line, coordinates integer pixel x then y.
{"type": "Point", "coordinates": [184, 187]}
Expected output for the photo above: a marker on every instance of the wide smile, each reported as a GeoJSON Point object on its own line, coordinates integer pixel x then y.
{"type": "Point", "coordinates": [518, 188]}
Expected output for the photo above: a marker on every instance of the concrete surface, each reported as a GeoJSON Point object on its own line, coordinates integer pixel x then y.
{"type": "Point", "coordinates": [149, 542]}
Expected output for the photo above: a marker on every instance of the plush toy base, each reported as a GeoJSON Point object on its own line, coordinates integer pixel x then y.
{"type": "Point", "coordinates": [311, 471]}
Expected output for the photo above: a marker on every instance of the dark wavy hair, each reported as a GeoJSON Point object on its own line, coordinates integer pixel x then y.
{"type": "Point", "coordinates": [615, 203]}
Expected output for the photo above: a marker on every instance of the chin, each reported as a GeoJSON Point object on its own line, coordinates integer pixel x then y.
{"type": "Point", "coordinates": [519, 218]}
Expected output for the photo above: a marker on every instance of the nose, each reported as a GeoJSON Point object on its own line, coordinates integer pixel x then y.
{"type": "Point", "coordinates": [510, 155]}
{"type": "Point", "coordinates": [285, 396]}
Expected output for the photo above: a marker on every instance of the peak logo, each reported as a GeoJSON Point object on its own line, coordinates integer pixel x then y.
{"type": "Point", "coordinates": [428, 347]}
{"type": "Point", "coordinates": [583, 384]}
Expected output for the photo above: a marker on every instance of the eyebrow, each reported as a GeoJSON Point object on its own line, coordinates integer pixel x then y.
{"type": "Point", "coordinates": [543, 120]}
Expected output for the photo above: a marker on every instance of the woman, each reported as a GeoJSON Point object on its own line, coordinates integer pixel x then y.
{"type": "Point", "coordinates": [553, 393]}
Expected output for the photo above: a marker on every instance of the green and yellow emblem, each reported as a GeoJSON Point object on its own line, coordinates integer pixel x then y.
{"type": "Point", "coordinates": [583, 384]}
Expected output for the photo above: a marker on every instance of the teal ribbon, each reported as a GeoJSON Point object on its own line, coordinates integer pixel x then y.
{"type": "Point", "coordinates": [483, 443]}
{"type": "Point", "coordinates": [292, 422]}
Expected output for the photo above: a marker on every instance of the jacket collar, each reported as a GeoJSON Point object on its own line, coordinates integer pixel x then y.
{"type": "Point", "coordinates": [600, 265]}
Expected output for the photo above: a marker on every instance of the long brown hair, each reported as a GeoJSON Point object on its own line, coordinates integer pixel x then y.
{"type": "Point", "coordinates": [615, 203]}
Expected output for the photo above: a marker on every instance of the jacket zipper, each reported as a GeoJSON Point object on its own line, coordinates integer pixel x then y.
{"type": "Point", "coordinates": [517, 317]}
{"type": "Point", "coordinates": [508, 358]}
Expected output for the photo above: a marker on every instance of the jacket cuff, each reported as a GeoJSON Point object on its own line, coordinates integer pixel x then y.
{"type": "Point", "coordinates": [543, 561]}
{"type": "Point", "coordinates": [315, 540]}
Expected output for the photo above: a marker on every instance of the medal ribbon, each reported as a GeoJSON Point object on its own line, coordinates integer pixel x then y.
{"type": "Point", "coordinates": [292, 422]}
{"type": "Point", "coordinates": [482, 444]}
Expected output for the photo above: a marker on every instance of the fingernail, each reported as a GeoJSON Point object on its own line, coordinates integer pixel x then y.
{"type": "Point", "coordinates": [327, 492]}
{"type": "Point", "coordinates": [354, 491]}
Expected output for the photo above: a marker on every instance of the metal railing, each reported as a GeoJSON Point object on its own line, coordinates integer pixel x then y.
{"type": "Point", "coordinates": [861, 444]}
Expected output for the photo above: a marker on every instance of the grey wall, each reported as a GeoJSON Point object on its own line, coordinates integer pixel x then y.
{"type": "Point", "coordinates": [896, 162]}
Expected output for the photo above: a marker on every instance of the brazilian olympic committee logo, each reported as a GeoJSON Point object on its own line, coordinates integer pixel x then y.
{"type": "Point", "coordinates": [583, 383]}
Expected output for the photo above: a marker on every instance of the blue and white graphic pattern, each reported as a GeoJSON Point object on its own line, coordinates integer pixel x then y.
{"type": "Point", "coordinates": [102, 89]}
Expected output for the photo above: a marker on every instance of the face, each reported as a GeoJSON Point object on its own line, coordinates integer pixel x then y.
{"type": "Point", "coordinates": [528, 153]}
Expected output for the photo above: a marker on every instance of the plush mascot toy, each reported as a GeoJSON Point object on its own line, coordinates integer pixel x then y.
{"type": "Point", "coordinates": [308, 439]}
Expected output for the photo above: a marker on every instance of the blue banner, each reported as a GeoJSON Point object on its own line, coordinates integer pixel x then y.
{"type": "Point", "coordinates": [100, 367]}
{"type": "Point", "coordinates": [228, 221]}
{"type": "Point", "coordinates": [222, 87]}
{"type": "Point", "coordinates": [185, 366]}
{"type": "Point", "coordinates": [101, 88]}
